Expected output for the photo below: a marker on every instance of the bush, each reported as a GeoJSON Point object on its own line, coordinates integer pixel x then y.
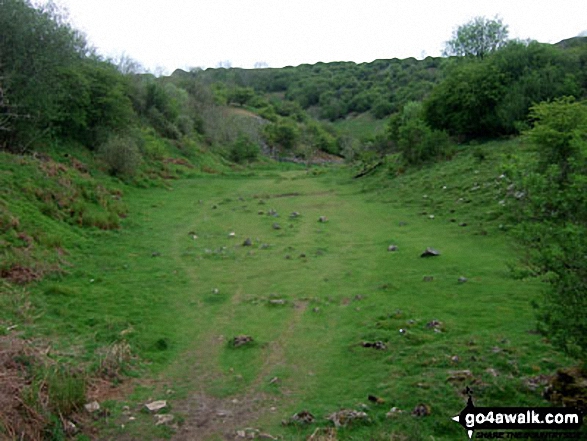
{"type": "Point", "coordinates": [553, 208]}
{"type": "Point", "coordinates": [244, 150]}
{"type": "Point", "coordinates": [121, 155]}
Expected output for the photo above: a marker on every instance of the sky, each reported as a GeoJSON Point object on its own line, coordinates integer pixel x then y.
{"type": "Point", "coordinates": [163, 35]}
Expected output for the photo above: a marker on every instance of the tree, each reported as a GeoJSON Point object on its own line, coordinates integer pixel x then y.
{"type": "Point", "coordinates": [477, 38]}
{"type": "Point", "coordinates": [414, 138]}
{"type": "Point", "coordinates": [553, 210]}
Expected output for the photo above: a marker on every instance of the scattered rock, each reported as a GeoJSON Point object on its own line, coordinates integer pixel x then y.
{"type": "Point", "coordinates": [376, 345]}
{"type": "Point", "coordinates": [92, 407]}
{"type": "Point", "coordinates": [459, 376]}
{"type": "Point", "coordinates": [248, 242]}
{"type": "Point", "coordinates": [155, 254]}
{"type": "Point", "coordinates": [165, 419]}
{"type": "Point", "coordinates": [276, 226]}
{"type": "Point", "coordinates": [273, 213]}
{"type": "Point", "coordinates": [232, 234]}
{"type": "Point", "coordinates": [303, 417]}
{"type": "Point", "coordinates": [359, 297]}
{"type": "Point", "coordinates": [428, 278]}
{"type": "Point", "coordinates": [376, 400]}
{"type": "Point", "coordinates": [462, 279]}
{"type": "Point", "coordinates": [463, 224]}
{"type": "Point", "coordinates": [434, 324]}
{"type": "Point", "coordinates": [455, 359]}
{"type": "Point", "coordinates": [493, 372]}
{"type": "Point", "coordinates": [421, 410]}
{"type": "Point", "coordinates": [431, 216]}
{"type": "Point", "coordinates": [346, 416]}
{"type": "Point", "coordinates": [215, 291]}
{"type": "Point", "coordinates": [393, 412]}
{"type": "Point", "coordinates": [274, 380]}
{"type": "Point", "coordinates": [534, 383]}
{"type": "Point", "coordinates": [316, 309]}
{"type": "Point", "coordinates": [294, 215]}
{"type": "Point", "coordinates": [241, 340]}
{"type": "Point", "coordinates": [392, 248]}
{"type": "Point", "coordinates": [430, 252]}
{"type": "Point", "coordinates": [156, 406]}
{"type": "Point", "coordinates": [70, 428]}
{"type": "Point", "coordinates": [402, 331]}
{"type": "Point", "coordinates": [277, 302]}
{"type": "Point", "coordinates": [323, 219]}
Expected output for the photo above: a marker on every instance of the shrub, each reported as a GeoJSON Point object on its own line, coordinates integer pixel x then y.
{"type": "Point", "coordinates": [553, 207]}
{"type": "Point", "coordinates": [244, 150]}
{"type": "Point", "coordinates": [121, 155]}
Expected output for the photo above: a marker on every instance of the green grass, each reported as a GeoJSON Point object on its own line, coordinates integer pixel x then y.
{"type": "Point", "coordinates": [362, 126]}
{"type": "Point", "coordinates": [153, 286]}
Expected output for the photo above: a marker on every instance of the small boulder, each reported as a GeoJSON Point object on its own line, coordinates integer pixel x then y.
{"type": "Point", "coordinates": [276, 226]}
{"type": "Point", "coordinates": [376, 400]}
{"type": "Point", "coordinates": [92, 407]}
{"type": "Point", "coordinates": [156, 406]}
{"type": "Point", "coordinates": [164, 419]}
{"type": "Point", "coordinates": [323, 219]}
{"type": "Point", "coordinates": [346, 416]}
{"type": "Point", "coordinates": [232, 234]}
{"type": "Point", "coordinates": [303, 417]}
{"type": "Point", "coordinates": [434, 324]}
{"type": "Point", "coordinates": [248, 242]}
{"type": "Point", "coordinates": [392, 248]}
{"type": "Point", "coordinates": [294, 215]}
{"type": "Point", "coordinates": [430, 252]}
{"type": "Point", "coordinates": [462, 279]}
{"type": "Point", "coordinates": [241, 340]}
{"type": "Point", "coordinates": [393, 412]}
{"type": "Point", "coordinates": [421, 410]}
{"type": "Point", "coordinates": [375, 345]}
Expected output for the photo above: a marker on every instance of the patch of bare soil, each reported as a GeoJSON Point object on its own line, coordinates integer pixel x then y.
{"type": "Point", "coordinates": [208, 417]}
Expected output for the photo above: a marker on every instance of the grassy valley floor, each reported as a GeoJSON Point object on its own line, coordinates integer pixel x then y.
{"type": "Point", "coordinates": [176, 288]}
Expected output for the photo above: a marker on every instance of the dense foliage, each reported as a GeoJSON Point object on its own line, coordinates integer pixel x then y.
{"type": "Point", "coordinates": [553, 216]}
{"type": "Point", "coordinates": [492, 96]}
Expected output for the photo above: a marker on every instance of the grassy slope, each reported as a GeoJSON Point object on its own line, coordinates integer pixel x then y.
{"type": "Point", "coordinates": [152, 283]}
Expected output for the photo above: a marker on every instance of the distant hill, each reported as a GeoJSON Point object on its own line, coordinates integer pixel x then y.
{"type": "Point", "coordinates": [572, 42]}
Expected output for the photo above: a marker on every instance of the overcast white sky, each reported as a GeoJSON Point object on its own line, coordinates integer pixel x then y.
{"type": "Point", "coordinates": [174, 34]}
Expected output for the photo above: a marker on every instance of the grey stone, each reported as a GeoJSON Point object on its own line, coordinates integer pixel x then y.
{"type": "Point", "coordinates": [156, 406]}
{"type": "Point", "coordinates": [430, 252]}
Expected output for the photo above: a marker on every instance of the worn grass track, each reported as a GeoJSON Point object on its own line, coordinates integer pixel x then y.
{"type": "Point", "coordinates": [156, 284]}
